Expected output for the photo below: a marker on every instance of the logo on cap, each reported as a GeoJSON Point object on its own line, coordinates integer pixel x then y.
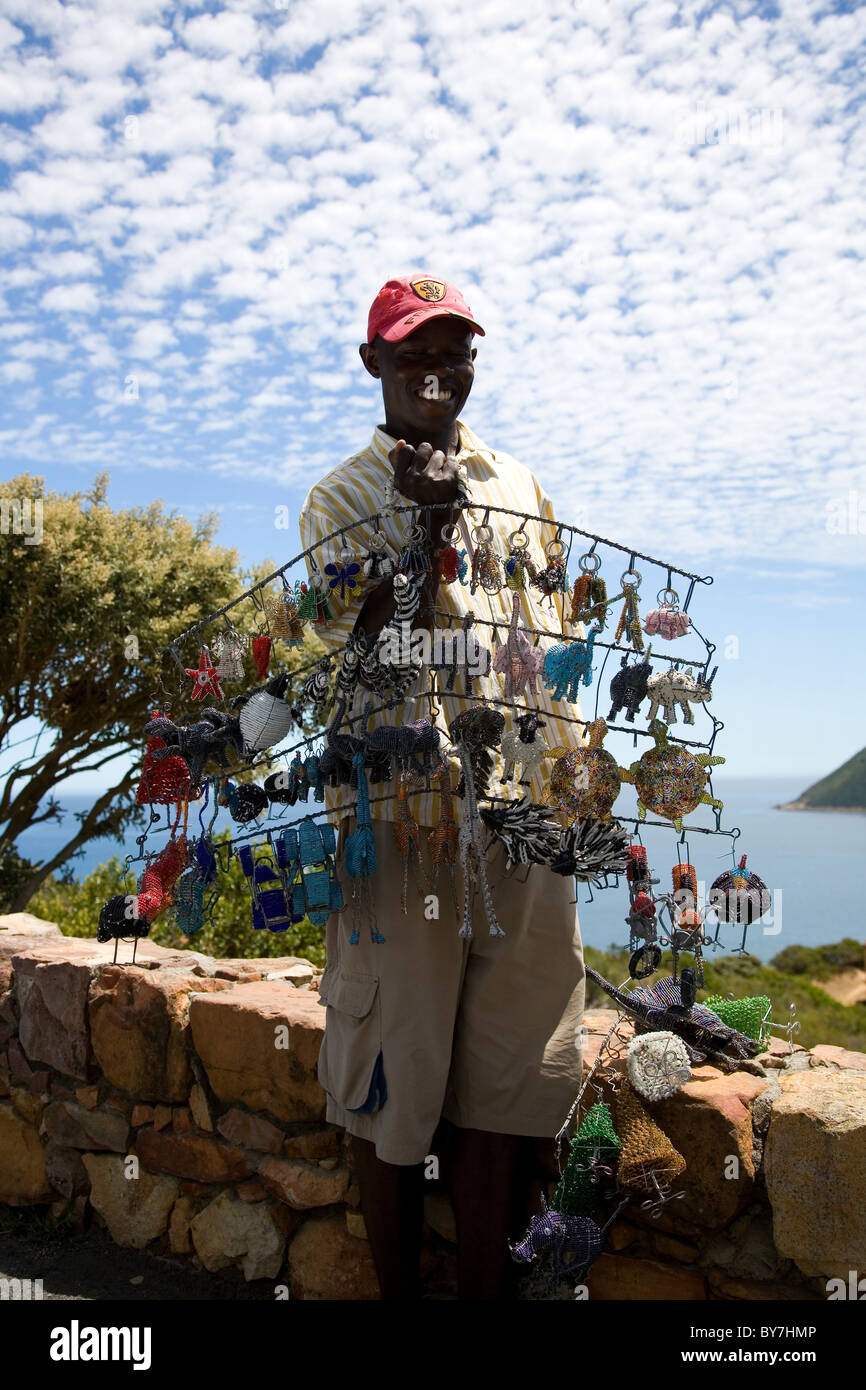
{"type": "Point", "coordinates": [431, 290]}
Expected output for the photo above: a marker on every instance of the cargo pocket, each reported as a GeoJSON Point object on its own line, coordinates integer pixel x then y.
{"type": "Point", "coordinates": [350, 1063]}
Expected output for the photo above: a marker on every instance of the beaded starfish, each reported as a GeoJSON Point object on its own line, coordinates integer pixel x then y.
{"type": "Point", "coordinates": [407, 838]}
{"type": "Point", "coordinates": [517, 660]}
{"type": "Point", "coordinates": [205, 678]}
{"type": "Point", "coordinates": [442, 839]}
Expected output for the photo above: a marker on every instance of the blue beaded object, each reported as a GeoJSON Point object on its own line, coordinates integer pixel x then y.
{"type": "Point", "coordinates": [359, 853]}
{"type": "Point", "coordinates": [568, 665]}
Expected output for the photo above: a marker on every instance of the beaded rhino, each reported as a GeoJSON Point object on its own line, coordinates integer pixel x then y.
{"type": "Point", "coordinates": [672, 688]}
{"type": "Point", "coordinates": [629, 687]}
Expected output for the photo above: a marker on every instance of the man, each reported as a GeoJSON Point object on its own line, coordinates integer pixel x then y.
{"type": "Point", "coordinates": [475, 1042]}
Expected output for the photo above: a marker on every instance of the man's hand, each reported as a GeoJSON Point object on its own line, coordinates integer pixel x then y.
{"type": "Point", "coordinates": [425, 475]}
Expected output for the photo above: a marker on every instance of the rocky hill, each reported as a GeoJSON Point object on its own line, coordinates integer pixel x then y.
{"type": "Point", "coordinates": [842, 790]}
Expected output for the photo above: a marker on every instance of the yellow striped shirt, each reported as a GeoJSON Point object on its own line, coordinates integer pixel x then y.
{"type": "Point", "coordinates": [354, 492]}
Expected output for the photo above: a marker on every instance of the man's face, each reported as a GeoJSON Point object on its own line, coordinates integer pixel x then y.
{"type": "Point", "coordinates": [427, 377]}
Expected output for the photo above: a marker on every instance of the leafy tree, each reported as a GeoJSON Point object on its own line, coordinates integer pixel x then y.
{"type": "Point", "coordinates": [88, 606]}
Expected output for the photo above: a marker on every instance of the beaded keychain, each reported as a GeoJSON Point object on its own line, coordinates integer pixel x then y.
{"type": "Point", "coordinates": [629, 618]}
{"type": "Point", "coordinates": [667, 621]}
{"type": "Point", "coordinates": [553, 579]}
{"type": "Point", "coordinates": [628, 687]}
{"type": "Point", "coordinates": [377, 563]}
{"type": "Point", "coordinates": [519, 566]}
{"type": "Point", "coordinates": [687, 933]}
{"type": "Point", "coordinates": [345, 574]}
{"type": "Point", "coordinates": [452, 563]}
{"type": "Point", "coordinates": [414, 558]}
{"type": "Point", "coordinates": [407, 840]}
{"type": "Point", "coordinates": [229, 648]}
{"type": "Point", "coordinates": [485, 562]}
{"type": "Point", "coordinates": [442, 839]}
{"type": "Point", "coordinates": [316, 688]}
{"type": "Point", "coordinates": [359, 859]}
{"type": "Point", "coordinates": [589, 595]}
{"type": "Point", "coordinates": [261, 647]}
{"type": "Point", "coordinates": [281, 612]}
{"type": "Point", "coordinates": [205, 679]}
{"type": "Point", "coordinates": [675, 687]}
{"type": "Point", "coordinates": [313, 606]}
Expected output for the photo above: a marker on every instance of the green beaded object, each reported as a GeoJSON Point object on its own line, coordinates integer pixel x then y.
{"type": "Point", "coordinates": [576, 1194]}
{"type": "Point", "coordinates": [746, 1015]}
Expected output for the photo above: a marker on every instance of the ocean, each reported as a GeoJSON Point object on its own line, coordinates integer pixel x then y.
{"type": "Point", "coordinates": [812, 861]}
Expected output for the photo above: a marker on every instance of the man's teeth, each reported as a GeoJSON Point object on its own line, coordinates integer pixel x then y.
{"type": "Point", "coordinates": [443, 394]}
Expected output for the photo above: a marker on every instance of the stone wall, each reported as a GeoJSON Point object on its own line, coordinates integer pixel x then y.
{"type": "Point", "coordinates": [203, 1072]}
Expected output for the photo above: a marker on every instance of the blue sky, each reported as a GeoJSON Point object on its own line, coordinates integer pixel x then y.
{"type": "Point", "coordinates": [655, 210]}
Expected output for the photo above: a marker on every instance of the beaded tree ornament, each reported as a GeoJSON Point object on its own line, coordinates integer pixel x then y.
{"type": "Point", "coordinates": [567, 665]}
{"type": "Point", "coordinates": [407, 840]}
{"type": "Point", "coordinates": [313, 605]}
{"type": "Point", "coordinates": [589, 593]}
{"type": "Point", "coordinates": [667, 621]}
{"type": "Point", "coordinates": [523, 748]}
{"type": "Point", "coordinates": [585, 781]}
{"type": "Point", "coordinates": [485, 571]}
{"type": "Point", "coordinates": [518, 660]}
{"type": "Point", "coordinates": [442, 839]}
{"type": "Point", "coordinates": [281, 611]}
{"type": "Point", "coordinates": [670, 780]}
{"type": "Point", "coordinates": [451, 564]}
{"type": "Point", "coordinates": [592, 1155]}
{"type": "Point", "coordinates": [377, 563]}
{"type": "Point", "coordinates": [359, 859]}
{"type": "Point", "coordinates": [229, 648]}
{"type": "Point", "coordinates": [629, 618]}
{"type": "Point", "coordinates": [658, 1065]}
{"type": "Point", "coordinates": [647, 1157]}
{"type": "Point", "coordinates": [739, 895]}
{"type": "Point", "coordinates": [518, 566]}
{"type": "Point", "coordinates": [553, 579]}
{"type": "Point", "coordinates": [344, 574]}
{"type": "Point", "coordinates": [204, 677]}
{"type": "Point", "coordinates": [261, 647]}
{"type": "Point", "coordinates": [628, 687]}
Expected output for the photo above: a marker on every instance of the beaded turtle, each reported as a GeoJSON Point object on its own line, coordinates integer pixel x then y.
{"type": "Point", "coordinates": [585, 781]}
{"type": "Point", "coordinates": [670, 780]}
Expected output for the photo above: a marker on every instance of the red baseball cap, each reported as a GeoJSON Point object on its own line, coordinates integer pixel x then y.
{"type": "Point", "coordinates": [402, 305]}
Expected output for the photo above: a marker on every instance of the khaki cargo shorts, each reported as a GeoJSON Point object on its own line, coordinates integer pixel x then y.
{"type": "Point", "coordinates": [485, 1033]}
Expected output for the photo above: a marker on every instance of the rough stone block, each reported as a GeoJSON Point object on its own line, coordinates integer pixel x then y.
{"type": "Point", "coordinates": [303, 1184]}
{"type": "Point", "coordinates": [251, 1132]}
{"type": "Point", "coordinates": [814, 1161]}
{"type": "Point", "coordinates": [327, 1263]}
{"type": "Point", "coordinates": [23, 1177]}
{"type": "Point", "coordinates": [191, 1156]}
{"type": "Point", "coordinates": [621, 1278]}
{"type": "Point", "coordinates": [229, 1231]}
{"type": "Point", "coordinates": [68, 1124]}
{"type": "Point", "coordinates": [322, 1143]}
{"type": "Point", "coordinates": [65, 1169]}
{"type": "Point", "coordinates": [52, 998]}
{"type": "Point", "coordinates": [709, 1123]}
{"type": "Point", "coordinates": [235, 1035]}
{"type": "Point", "coordinates": [135, 1210]}
{"type": "Point", "coordinates": [139, 1029]}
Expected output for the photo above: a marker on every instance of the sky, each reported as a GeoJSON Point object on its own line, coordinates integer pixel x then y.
{"type": "Point", "coordinates": [655, 210]}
